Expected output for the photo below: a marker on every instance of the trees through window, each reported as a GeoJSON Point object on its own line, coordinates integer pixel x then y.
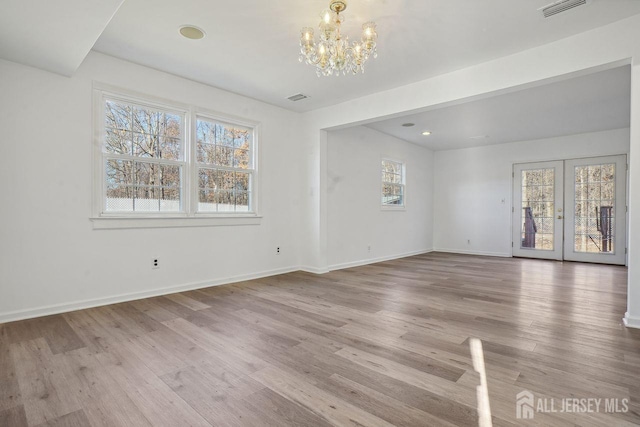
{"type": "Point", "coordinates": [151, 165]}
{"type": "Point", "coordinates": [392, 183]}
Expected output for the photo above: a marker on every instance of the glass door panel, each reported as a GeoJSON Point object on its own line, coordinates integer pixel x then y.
{"type": "Point", "coordinates": [596, 210]}
{"type": "Point", "coordinates": [538, 194]}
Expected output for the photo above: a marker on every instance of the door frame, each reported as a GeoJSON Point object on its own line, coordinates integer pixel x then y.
{"type": "Point", "coordinates": [515, 224]}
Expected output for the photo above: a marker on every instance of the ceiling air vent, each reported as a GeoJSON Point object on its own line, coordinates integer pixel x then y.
{"type": "Point", "coordinates": [297, 97]}
{"type": "Point", "coordinates": [561, 6]}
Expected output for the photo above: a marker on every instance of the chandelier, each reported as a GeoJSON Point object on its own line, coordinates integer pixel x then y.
{"type": "Point", "coordinates": [333, 54]}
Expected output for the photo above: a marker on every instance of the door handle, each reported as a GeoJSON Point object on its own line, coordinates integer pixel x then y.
{"type": "Point", "coordinates": [560, 217]}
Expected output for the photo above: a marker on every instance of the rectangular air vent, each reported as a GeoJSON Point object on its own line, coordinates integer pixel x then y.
{"type": "Point", "coordinates": [561, 6]}
{"type": "Point", "coordinates": [297, 97]}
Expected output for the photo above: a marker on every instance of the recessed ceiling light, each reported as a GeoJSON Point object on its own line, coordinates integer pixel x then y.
{"type": "Point", "coordinates": [479, 137]}
{"type": "Point", "coordinates": [426, 133]}
{"type": "Point", "coordinates": [191, 32]}
{"type": "Point", "coordinates": [408, 125]}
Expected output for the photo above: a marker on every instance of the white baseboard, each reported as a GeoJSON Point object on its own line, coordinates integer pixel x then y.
{"type": "Point", "coordinates": [97, 302]}
{"type": "Point", "coordinates": [375, 260]}
{"type": "Point", "coordinates": [482, 253]}
{"type": "Point", "coordinates": [314, 270]}
{"type": "Point", "coordinates": [630, 321]}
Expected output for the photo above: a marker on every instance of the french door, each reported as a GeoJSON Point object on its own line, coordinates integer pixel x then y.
{"type": "Point", "coordinates": [571, 210]}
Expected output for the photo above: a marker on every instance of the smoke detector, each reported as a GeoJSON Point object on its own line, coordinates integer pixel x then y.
{"type": "Point", "coordinates": [561, 6]}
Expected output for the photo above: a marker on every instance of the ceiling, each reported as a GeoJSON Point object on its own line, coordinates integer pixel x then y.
{"type": "Point", "coordinates": [594, 102]}
{"type": "Point", "coordinates": [251, 47]}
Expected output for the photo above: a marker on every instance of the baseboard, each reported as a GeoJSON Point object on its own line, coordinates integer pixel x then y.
{"type": "Point", "coordinates": [375, 260]}
{"type": "Point", "coordinates": [314, 270]}
{"type": "Point", "coordinates": [97, 302]}
{"type": "Point", "coordinates": [630, 321]}
{"type": "Point", "coordinates": [482, 253]}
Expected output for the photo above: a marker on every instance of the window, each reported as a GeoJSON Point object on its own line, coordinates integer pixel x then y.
{"type": "Point", "coordinates": [143, 155]}
{"type": "Point", "coordinates": [225, 166]}
{"type": "Point", "coordinates": [392, 183]}
{"type": "Point", "coordinates": [162, 161]}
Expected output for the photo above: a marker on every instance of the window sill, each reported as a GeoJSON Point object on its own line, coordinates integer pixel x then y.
{"type": "Point", "coordinates": [393, 208]}
{"type": "Point", "coordinates": [109, 223]}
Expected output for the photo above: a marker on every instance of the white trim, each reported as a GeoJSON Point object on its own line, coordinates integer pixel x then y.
{"type": "Point", "coordinates": [314, 270]}
{"type": "Point", "coordinates": [630, 321]}
{"type": "Point", "coordinates": [376, 260]}
{"type": "Point", "coordinates": [481, 253]}
{"type": "Point", "coordinates": [97, 302]}
{"type": "Point", "coordinates": [108, 223]}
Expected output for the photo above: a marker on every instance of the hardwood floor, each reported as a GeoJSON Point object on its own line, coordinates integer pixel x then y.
{"type": "Point", "coordinates": [385, 344]}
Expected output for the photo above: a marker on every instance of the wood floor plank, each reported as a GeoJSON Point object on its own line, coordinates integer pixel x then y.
{"type": "Point", "coordinates": [14, 416]}
{"type": "Point", "coordinates": [105, 403]}
{"type": "Point", "coordinates": [150, 394]}
{"type": "Point", "coordinates": [10, 395]}
{"type": "Point", "coordinates": [74, 419]}
{"type": "Point", "coordinates": [321, 403]}
{"type": "Point", "coordinates": [43, 387]}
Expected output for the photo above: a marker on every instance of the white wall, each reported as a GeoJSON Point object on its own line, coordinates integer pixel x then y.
{"type": "Point", "coordinates": [355, 217]}
{"type": "Point", "coordinates": [51, 259]}
{"type": "Point", "coordinates": [472, 196]}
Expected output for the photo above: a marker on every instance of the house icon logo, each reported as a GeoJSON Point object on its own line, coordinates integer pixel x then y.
{"type": "Point", "coordinates": [524, 405]}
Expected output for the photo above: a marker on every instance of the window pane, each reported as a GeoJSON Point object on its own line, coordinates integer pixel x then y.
{"type": "Point", "coordinates": [146, 121]}
{"type": "Point", "coordinates": [537, 210]}
{"type": "Point", "coordinates": [391, 177]}
{"type": "Point", "coordinates": [594, 208]}
{"type": "Point", "coordinates": [242, 201]}
{"type": "Point", "coordinates": [142, 131]}
{"type": "Point", "coordinates": [241, 158]}
{"type": "Point", "coordinates": [222, 144]}
{"type": "Point", "coordinates": [118, 142]}
{"type": "Point", "coordinates": [119, 189]}
{"type": "Point", "coordinates": [392, 194]}
{"type": "Point", "coordinates": [242, 181]}
{"type": "Point", "coordinates": [144, 145]}
{"type": "Point", "coordinates": [117, 116]}
{"type": "Point", "coordinates": [223, 156]}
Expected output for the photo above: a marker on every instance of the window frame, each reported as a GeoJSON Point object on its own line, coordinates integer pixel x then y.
{"type": "Point", "coordinates": [188, 214]}
{"type": "Point", "coordinates": [196, 166]}
{"type": "Point", "coordinates": [403, 184]}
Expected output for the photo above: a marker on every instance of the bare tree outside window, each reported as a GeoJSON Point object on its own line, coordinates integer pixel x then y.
{"type": "Point", "coordinates": [143, 150]}
{"type": "Point", "coordinates": [225, 167]}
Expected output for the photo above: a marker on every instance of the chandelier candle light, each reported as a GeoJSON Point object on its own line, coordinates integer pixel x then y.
{"type": "Point", "coordinates": [333, 54]}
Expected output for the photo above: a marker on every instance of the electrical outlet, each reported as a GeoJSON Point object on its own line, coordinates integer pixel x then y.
{"type": "Point", "coordinates": [468, 242]}
{"type": "Point", "coordinates": [278, 250]}
{"type": "Point", "coordinates": [369, 249]}
{"type": "Point", "coordinates": [155, 264]}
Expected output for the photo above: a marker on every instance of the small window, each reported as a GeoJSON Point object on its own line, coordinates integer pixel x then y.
{"type": "Point", "coordinates": [393, 183]}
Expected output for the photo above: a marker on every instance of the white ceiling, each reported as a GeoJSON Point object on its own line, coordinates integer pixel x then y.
{"type": "Point", "coordinates": [594, 102]}
{"type": "Point", "coordinates": [251, 46]}
{"type": "Point", "coordinates": [54, 35]}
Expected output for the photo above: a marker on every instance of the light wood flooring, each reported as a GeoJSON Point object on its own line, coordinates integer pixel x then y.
{"type": "Point", "coordinates": [379, 345]}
